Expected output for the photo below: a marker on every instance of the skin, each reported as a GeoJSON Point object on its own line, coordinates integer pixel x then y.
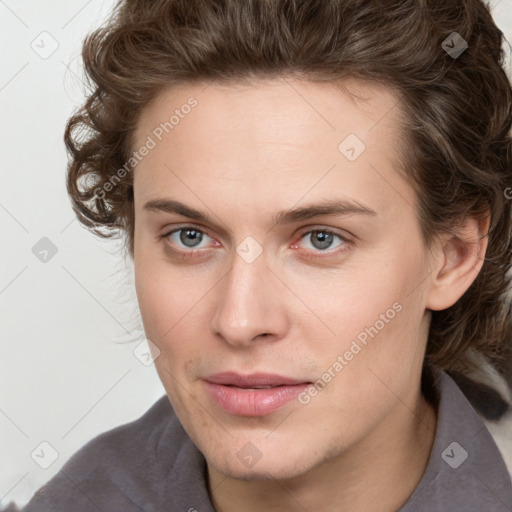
{"type": "Point", "coordinates": [244, 153]}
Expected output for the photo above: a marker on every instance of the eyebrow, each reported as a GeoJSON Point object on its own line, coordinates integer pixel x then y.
{"type": "Point", "coordinates": [325, 208]}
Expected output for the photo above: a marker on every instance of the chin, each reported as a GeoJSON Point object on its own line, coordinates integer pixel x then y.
{"type": "Point", "coordinates": [263, 473]}
{"type": "Point", "coordinates": [281, 465]}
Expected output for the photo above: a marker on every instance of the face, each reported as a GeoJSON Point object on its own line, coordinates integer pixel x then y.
{"type": "Point", "coordinates": [262, 283]}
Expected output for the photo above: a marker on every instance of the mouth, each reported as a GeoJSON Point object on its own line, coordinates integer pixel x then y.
{"type": "Point", "coordinates": [257, 394]}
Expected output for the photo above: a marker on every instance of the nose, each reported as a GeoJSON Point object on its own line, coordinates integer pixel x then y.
{"type": "Point", "coordinates": [250, 304]}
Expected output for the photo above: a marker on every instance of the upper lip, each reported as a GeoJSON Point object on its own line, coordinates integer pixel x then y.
{"type": "Point", "coordinates": [255, 379]}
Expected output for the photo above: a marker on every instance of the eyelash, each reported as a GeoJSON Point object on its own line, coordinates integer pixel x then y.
{"type": "Point", "coordinates": [198, 252]}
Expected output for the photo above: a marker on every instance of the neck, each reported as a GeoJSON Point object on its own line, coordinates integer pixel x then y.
{"type": "Point", "coordinates": [376, 475]}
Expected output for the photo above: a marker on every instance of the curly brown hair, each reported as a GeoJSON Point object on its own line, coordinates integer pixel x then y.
{"type": "Point", "coordinates": [457, 151]}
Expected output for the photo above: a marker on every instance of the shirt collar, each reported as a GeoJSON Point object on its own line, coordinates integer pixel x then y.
{"type": "Point", "coordinates": [465, 470]}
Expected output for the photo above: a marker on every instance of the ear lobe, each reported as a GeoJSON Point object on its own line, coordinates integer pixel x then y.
{"type": "Point", "coordinates": [458, 260]}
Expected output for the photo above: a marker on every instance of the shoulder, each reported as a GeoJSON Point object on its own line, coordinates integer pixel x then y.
{"type": "Point", "coordinates": [490, 395]}
{"type": "Point", "coordinates": [117, 470]}
{"type": "Point", "coordinates": [466, 470]}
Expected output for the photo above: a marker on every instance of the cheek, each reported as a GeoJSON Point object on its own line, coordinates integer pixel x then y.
{"type": "Point", "coordinates": [373, 316]}
{"type": "Point", "coordinates": [152, 300]}
{"type": "Point", "coordinates": [161, 297]}
{"type": "Point", "coordinates": [160, 311]}
{"type": "Point", "coordinates": [171, 309]}
{"type": "Point", "coordinates": [165, 312]}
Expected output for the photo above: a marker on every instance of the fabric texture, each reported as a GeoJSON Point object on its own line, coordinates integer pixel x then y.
{"type": "Point", "coordinates": [152, 465]}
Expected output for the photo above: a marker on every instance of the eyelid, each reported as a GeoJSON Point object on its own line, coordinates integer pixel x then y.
{"type": "Point", "coordinates": [304, 230]}
{"type": "Point", "coordinates": [342, 234]}
{"type": "Point", "coordinates": [345, 235]}
{"type": "Point", "coordinates": [318, 255]}
{"type": "Point", "coordinates": [183, 227]}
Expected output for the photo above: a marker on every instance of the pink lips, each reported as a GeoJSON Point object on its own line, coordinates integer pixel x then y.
{"type": "Point", "coordinates": [252, 395]}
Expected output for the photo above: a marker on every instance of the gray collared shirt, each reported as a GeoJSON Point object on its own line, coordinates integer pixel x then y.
{"type": "Point", "coordinates": [152, 465]}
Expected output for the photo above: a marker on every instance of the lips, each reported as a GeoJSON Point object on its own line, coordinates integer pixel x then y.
{"type": "Point", "coordinates": [252, 395]}
{"type": "Point", "coordinates": [255, 380]}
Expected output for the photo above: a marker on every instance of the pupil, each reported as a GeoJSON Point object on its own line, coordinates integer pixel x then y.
{"type": "Point", "coordinates": [325, 239]}
{"type": "Point", "coordinates": [188, 235]}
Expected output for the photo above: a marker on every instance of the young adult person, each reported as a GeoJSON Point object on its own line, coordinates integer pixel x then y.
{"type": "Point", "coordinates": [314, 197]}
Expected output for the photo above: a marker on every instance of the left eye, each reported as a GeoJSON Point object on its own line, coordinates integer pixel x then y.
{"type": "Point", "coordinates": [190, 237]}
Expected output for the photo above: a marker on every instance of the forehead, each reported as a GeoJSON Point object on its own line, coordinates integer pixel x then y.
{"type": "Point", "coordinates": [272, 136]}
{"type": "Point", "coordinates": [265, 107]}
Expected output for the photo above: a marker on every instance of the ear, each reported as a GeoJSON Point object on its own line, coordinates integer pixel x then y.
{"type": "Point", "coordinates": [457, 260]}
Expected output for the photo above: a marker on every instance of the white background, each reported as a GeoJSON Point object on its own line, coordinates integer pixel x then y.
{"type": "Point", "coordinates": [68, 326]}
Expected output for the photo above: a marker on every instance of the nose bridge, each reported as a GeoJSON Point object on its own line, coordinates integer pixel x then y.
{"type": "Point", "coordinates": [247, 306]}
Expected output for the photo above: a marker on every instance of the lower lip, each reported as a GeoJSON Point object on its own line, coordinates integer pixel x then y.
{"type": "Point", "coordinates": [253, 402]}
